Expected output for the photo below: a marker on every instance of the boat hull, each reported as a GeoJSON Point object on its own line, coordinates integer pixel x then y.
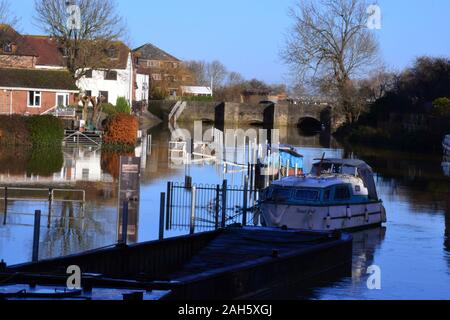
{"type": "Point", "coordinates": [323, 218]}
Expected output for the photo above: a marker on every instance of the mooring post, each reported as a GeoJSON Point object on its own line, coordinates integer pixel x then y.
{"type": "Point", "coordinates": [161, 215]}
{"type": "Point", "coordinates": [288, 168]}
{"type": "Point", "coordinates": [123, 241]}
{"type": "Point", "coordinates": [36, 235]}
{"type": "Point", "coordinates": [245, 205]}
{"type": "Point", "coordinates": [217, 207]}
{"type": "Point", "coordinates": [168, 205]}
{"type": "Point", "coordinates": [6, 206]}
{"type": "Point", "coordinates": [193, 204]}
{"type": "Point", "coordinates": [224, 203]}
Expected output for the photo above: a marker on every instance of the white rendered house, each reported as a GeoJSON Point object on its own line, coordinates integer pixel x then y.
{"type": "Point", "coordinates": [120, 79]}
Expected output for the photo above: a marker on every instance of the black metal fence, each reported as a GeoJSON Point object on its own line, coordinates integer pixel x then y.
{"type": "Point", "coordinates": [208, 207]}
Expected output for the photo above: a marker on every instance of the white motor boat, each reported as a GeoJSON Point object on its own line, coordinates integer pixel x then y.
{"type": "Point", "coordinates": [337, 195]}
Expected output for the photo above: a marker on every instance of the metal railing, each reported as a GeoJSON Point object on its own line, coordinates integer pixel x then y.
{"type": "Point", "coordinates": [209, 207]}
{"type": "Point", "coordinates": [51, 196]}
{"type": "Point", "coordinates": [86, 138]}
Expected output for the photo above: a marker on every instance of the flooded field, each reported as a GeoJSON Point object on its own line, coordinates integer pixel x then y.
{"type": "Point", "coordinates": [412, 250]}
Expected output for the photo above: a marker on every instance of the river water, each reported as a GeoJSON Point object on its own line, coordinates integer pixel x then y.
{"type": "Point", "coordinates": [412, 250]}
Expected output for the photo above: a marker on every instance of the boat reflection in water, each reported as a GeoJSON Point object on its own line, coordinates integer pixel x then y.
{"type": "Point", "coordinates": [446, 165]}
{"type": "Point", "coordinates": [366, 243]}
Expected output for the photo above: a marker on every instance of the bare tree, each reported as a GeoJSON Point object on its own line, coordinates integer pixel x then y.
{"type": "Point", "coordinates": [217, 72]}
{"type": "Point", "coordinates": [85, 35]}
{"type": "Point", "coordinates": [330, 41]}
{"type": "Point", "coordinates": [207, 73]}
{"type": "Point", "coordinates": [235, 78]}
{"type": "Point", "coordinates": [198, 69]}
{"type": "Point", "coordinates": [6, 16]}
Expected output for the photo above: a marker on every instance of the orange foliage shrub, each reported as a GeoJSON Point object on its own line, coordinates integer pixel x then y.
{"type": "Point", "coordinates": [121, 129]}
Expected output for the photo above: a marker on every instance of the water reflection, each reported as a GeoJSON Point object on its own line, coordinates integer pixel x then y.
{"type": "Point", "coordinates": [415, 191]}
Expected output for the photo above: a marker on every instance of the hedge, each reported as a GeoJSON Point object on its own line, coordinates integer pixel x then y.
{"type": "Point", "coordinates": [18, 130]}
{"type": "Point", "coordinates": [45, 130]}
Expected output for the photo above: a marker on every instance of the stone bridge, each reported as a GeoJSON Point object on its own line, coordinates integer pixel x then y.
{"type": "Point", "coordinates": [310, 116]}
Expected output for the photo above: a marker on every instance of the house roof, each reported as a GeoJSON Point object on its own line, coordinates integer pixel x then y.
{"type": "Point", "coordinates": [37, 79]}
{"type": "Point", "coordinates": [47, 51]}
{"type": "Point", "coordinates": [8, 34]}
{"type": "Point", "coordinates": [151, 52]}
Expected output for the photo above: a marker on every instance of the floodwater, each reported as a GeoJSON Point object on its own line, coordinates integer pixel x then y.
{"type": "Point", "coordinates": [412, 250]}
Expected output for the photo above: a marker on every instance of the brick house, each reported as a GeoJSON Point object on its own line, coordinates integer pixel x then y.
{"type": "Point", "coordinates": [34, 92]}
{"type": "Point", "coordinates": [167, 73]}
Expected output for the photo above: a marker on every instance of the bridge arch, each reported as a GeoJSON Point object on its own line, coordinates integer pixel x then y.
{"type": "Point", "coordinates": [309, 125]}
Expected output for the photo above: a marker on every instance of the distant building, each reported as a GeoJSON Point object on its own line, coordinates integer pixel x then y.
{"type": "Point", "coordinates": [167, 73]}
{"type": "Point", "coordinates": [196, 91]}
{"type": "Point", "coordinates": [15, 51]}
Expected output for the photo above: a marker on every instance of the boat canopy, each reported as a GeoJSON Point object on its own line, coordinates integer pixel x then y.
{"type": "Point", "coordinates": [357, 168]}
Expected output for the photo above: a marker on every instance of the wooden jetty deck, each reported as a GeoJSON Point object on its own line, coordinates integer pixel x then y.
{"type": "Point", "coordinates": [231, 263]}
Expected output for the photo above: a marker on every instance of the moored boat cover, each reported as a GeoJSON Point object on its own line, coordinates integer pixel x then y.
{"type": "Point", "coordinates": [348, 166]}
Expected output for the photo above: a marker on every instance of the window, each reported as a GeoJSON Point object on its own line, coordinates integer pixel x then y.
{"type": "Point", "coordinates": [104, 94]}
{"type": "Point", "coordinates": [88, 74]}
{"type": "Point", "coordinates": [85, 174]}
{"type": "Point", "coordinates": [280, 195]}
{"type": "Point", "coordinates": [342, 193]}
{"type": "Point", "coordinates": [111, 75]}
{"type": "Point", "coordinates": [7, 47]}
{"type": "Point", "coordinates": [153, 64]}
{"type": "Point", "coordinates": [34, 99]}
{"type": "Point", "coordinates": [156, 77]}
{"type": "Point", "coordinates": [62, 99]}
{"type": "Point", "coordinates": [307, 195]}
{"type": "Point", "coordinates": [327, 195]}
{"type": "Point", "coordinates": [88, 93]}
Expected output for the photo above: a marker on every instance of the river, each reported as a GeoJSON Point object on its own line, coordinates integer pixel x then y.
{"type": "Point", "coordinates": [412, 250]}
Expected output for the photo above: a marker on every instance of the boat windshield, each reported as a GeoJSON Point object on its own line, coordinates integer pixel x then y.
{"type": "Point", "coordinates": [280, 195]}
{"type": "Point", "coordinates": [307, 195]}
{"type": "Point", "coordinates": [285, 195]}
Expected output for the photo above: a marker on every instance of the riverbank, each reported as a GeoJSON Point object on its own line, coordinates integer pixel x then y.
{"type": "Point", "coordinates": [420, 140]}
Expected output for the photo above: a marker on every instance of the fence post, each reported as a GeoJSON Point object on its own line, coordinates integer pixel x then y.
{"type": "Point", "coordinates": [123, 241]}
{"type": "Point", "coordinates": [217, 207]}
{"type": "Point", "coordinates": [193, 204]}
{"type": "Point", "coordinates": [36, 235]}
{"type": "Point", "coordinates": [161, 216]}
{"type": "Point", "coordinates": [6, 205]}
{"type": "Point", "coordinates": [50, 201]}
{"type": "Point", "coordinates": [244, 207]}
{"type": "Point", "coordinates": [169, 206]}
{"type": "Point", "coordinates": [224, 203]}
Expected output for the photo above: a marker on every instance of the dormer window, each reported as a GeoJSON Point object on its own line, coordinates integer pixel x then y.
{"type": "Point", "coordinates": [112, 52]}
{"type": "Point", "coordinates": [8, 47]}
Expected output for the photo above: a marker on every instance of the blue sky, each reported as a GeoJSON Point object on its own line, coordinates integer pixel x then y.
{"type": "Point", "coordinates": [247, 35]}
